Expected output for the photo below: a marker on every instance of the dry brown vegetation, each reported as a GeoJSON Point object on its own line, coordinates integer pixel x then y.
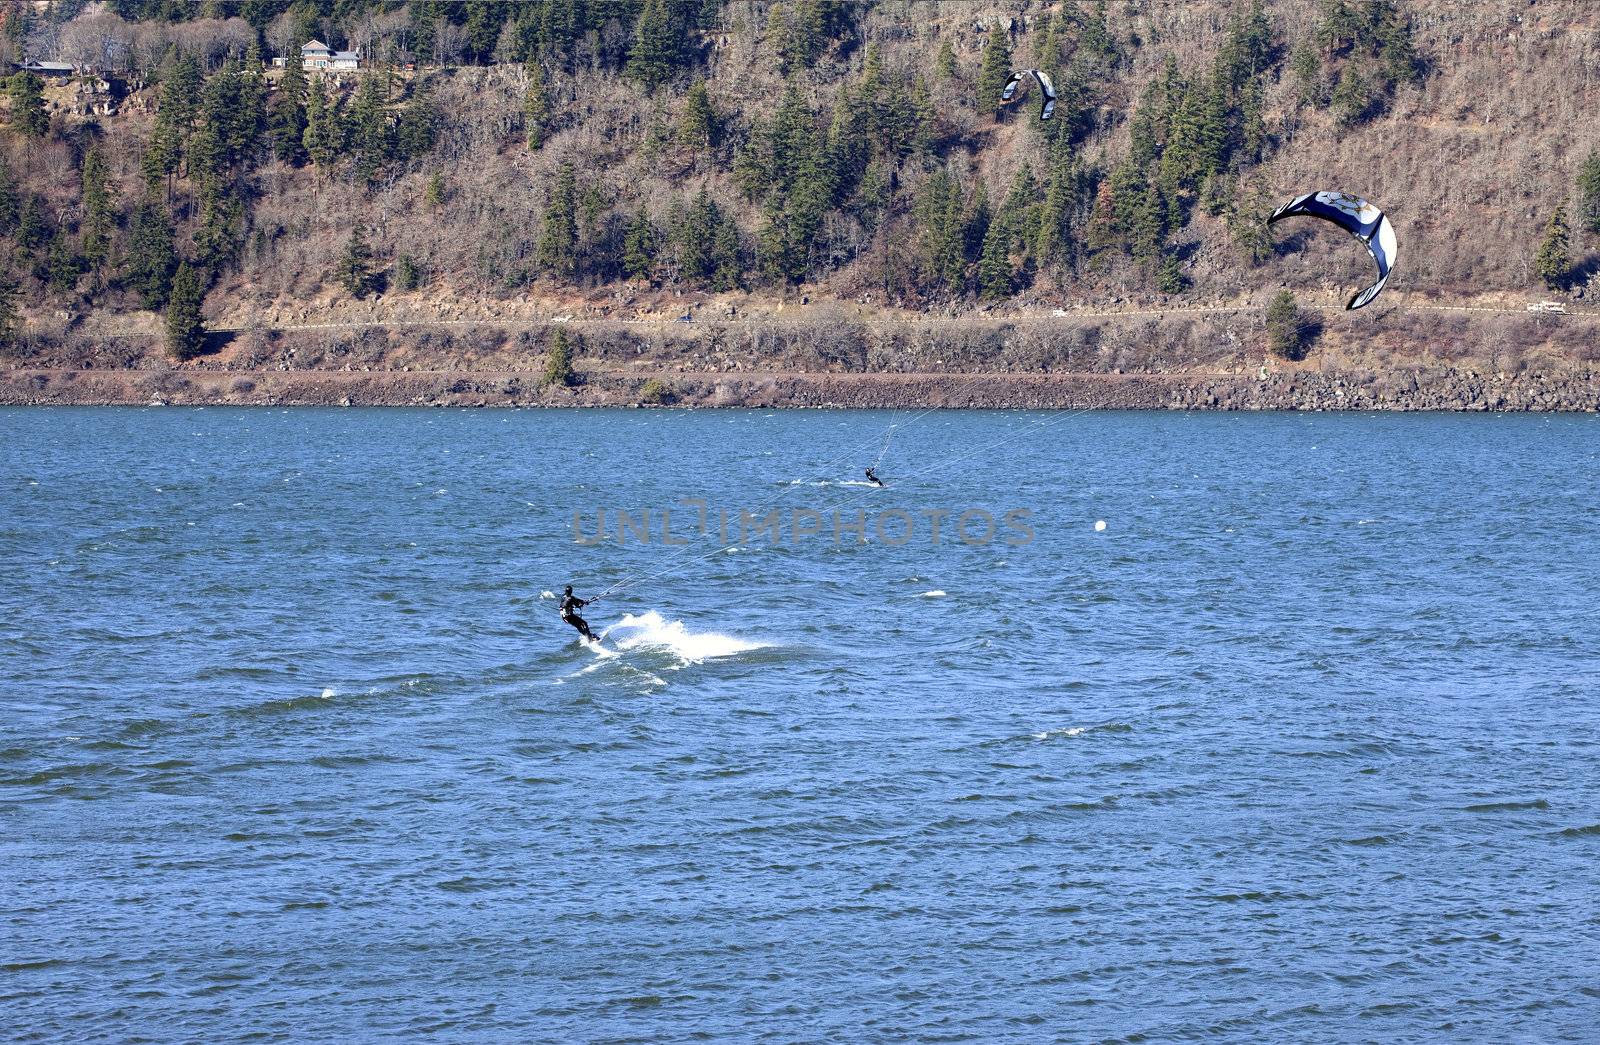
{"type": "Point", "coordinates": [1467, 164]}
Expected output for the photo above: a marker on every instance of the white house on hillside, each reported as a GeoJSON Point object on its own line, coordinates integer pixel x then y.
{"type": "Point", "coordinates": [314, 54]}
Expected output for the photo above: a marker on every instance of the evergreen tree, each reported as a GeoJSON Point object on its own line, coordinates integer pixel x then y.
{"type": "Point", "coordinates": [34, 227]}
{"type": "Point", "coordinates": [1554, 260]}
{"type": "Point", "coordinates": [151, 258]}
{"type": "Point", "coordinates": [535, 104]}
{"type": "Point", "coordinates": [233, 110]}
{"type": "Point", "coordinates": [186, 332]}
{"type": "Point", "coordinates": [207, 156]}
{"type": "Point", "coordinates": [323, 140]}
{"type": "Point", "coordinates": [697, 127]}
{"type": "Point", "coordinates": [657, 45]}
{"type": "Point", "coordinates": [696, 236]}
{"type": "Point", "coordinates": [1306, 68]}
{"type": "Point", "coordinates": [26, 91]}
{"type": "Point", "coordinates": [1247, 225]}
{"type": "Point", "coordinates": [63, 266]}
{"type": "Point", "coordinates": [558, 243]}
{"type": "Point", "coordinates": [10, 316]}
{"type": "Point", "coordinates": [99, 210]}
{"type": "Point", "coordinates": [10, 203]}
{"type": "Point", "coordinates": [433, 195]}
{"type": "Point", "coordinates": [355, 265]}
{"type": "Point", "coordinates": [1169, 276]}
{"type": "Point", "coordinates": [288, 118]}
{"type": "Point", "coordinates": [994, 266]}
{"type": "Point", "coordinates": [418, 128]}
{"type": "Point", "coordinates": [1052, 237]}
{"type": "Point", "coordinates": [1589, 192]}
{"type": "Point", "coordinates": [944, 62]}
{"type": "Point", "coordinates": [408, 274]}
{"type": "Point", "coordinates": [1353, 100]}
{"type": "Point", "coordinates": [994, 70]}
{"type": "Point", "coordinates": [804, 36]}
{"type": "Point", "coordinates": [221, 232]}
{"type": "Point", "coordinates": [558, 360]}
{"type": "Point", "coordinates": [368, 132]}
{"type": "Point", "coordinates": [726, 270]}
{"type": "Point", "coordinates": [1284, 330]}
{"type": "Point", "coordinates": [943, 252]}
{"type": "Point", "coordinates": [176, 111]}
{"type": "Point", "coordinates": [639, 247]}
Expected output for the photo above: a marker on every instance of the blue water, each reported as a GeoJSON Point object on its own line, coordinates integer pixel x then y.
{"type": "Point", "coordinates": [1303, 745]}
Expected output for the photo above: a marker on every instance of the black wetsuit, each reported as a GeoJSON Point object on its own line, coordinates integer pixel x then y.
{"type": "Point", "coordinates": [569, 613]}
{"type": "Point", "coordinates": [875, 480]}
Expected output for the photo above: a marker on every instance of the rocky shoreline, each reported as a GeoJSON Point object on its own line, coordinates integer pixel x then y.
{"type": "Point", "coordinates": [1439, 388]}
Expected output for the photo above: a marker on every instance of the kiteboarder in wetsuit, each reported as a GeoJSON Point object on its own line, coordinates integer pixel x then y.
{"type": "Point", "coordinates": [570, 604]}
{"type": "Point", "coordinates": [873, 476]}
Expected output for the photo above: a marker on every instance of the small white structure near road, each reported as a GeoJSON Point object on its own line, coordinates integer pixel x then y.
{"type": "Point", "coordinates": [1548, 306]}
{"type": "Point", "coordinates": [316, 55]}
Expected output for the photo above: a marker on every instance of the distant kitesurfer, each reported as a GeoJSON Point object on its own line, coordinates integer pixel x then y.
{"type": "Point", "coordinates": [874, 477]}
{"type": "Point", "coordinates": [570, 604]}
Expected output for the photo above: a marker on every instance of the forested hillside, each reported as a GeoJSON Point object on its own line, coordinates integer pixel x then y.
{"type": "Point", "coordinates": [633, 157]}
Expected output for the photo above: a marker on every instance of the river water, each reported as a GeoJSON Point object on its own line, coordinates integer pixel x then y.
{"type": "Point", "coordinates": [1302, 744]}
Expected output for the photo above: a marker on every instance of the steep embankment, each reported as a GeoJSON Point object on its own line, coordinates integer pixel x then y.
{"type": "Point", "coordinates": [1469, 157]}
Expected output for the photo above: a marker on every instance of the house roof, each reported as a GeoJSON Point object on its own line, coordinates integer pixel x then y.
{"type": "Point", "coordinates": [45, 67]}
{"type": "Point", "coordinates": [314, 45]}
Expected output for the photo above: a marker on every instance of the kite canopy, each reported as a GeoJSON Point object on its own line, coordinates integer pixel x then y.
{"type": "Point", "coordinates": [1357, 217]}
{"type": "Point", "coordinates": [1046, 88]}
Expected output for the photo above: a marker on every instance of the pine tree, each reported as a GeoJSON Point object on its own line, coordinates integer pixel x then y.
{"type": "Point", "coordinates": [368, 127]}
{"type": "Point", "coordinates": [99, 210]}
{"type": "Point", "coordinates": [1169, 276]}
{"type": "Point", "coordinates": [726, 271]}
{"type": "Point", "coordinates": [657, 45]}
{"type": "Point", "coordinates": [1306, 68]}
{"type": "Point", "coordinates": [1247, 225]}
{"type": "Point", "coordinates": [995, 69]}
{"type": "Point", "coordinates": [1353, 99]}
{"type": "Point", "coordinates": [433, 195]}
{"type": "Point", "coordinates": [804, 37]}
{"type": "Point", "coordinates": [697, 127]}
{"type": "Point", "coordinates": [63, 265]}
{"type": "Point", "coordinates": [558, 360]}
{"type": "Point", "coordinates": [695, 238]}
{"type": "Point", "coordinates": [177, 108]}
{"type": "Point", "coordinates": [10, 316]}
{"type": "Point", "coordinates": [288, 118]}
{"type": "Point", "coordinates": [33, 226]}
{"type": "Point", "coordinates": [639, 247]}
{"type": "Point", "coordinates": [939, 208]}
{"type": "Point", "coordinates": [221, 233]}
{"type": "Point", "coordinates": [1554, 260]}
{"type": "Point", "coordinates": [26, 91]}
{"type": "Point", "coordinates": [1284, 337]}
{"type": "Point", "coordinates": [417, 129]}
{"type": "Point", "coordinates": [151, 258]}
{"type": "Point", "coordinates": [186, 332]}
{"type": "Point", "coordinates": [408, 274]}
{"type": "Point", "coordinates": [1589, 192]}
{"type": "Point", "coordinates": [355, 265]}
{"type": "Point", "coordinates": [535, 104]}
{"type": "Point", "coordinates": [994, 267]}
{"type": "Point", "coordinates": [944, 62]}
{"type": "Point", "coordinates": [10, 204]}
{"type": "Point", "coordinates": [558, 243]}
{"type": "Point", "coordinates": [323, 140]}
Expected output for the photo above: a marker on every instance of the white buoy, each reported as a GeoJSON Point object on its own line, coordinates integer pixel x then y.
{"type": "Point", "coordinates": [1099, 525]}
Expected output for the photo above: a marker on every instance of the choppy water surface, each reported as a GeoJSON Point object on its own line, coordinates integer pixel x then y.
{"type": "Point", "coordinates": [1302, 746]}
